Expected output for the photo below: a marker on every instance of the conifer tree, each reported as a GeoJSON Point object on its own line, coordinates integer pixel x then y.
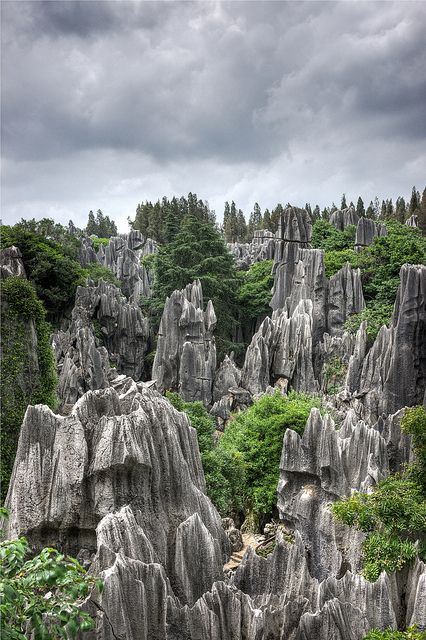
{"type": "Point", "coordinates": [360, 207]}
{"type": "Point", "coordinates": [343, 204]}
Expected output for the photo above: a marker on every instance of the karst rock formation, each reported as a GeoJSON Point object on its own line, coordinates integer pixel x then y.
{"type": "Point", "coordinates": [115, 476]}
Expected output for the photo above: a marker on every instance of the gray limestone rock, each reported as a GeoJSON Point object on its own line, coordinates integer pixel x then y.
{"type": "Point", "coordinates": [123, 256]}
{"type": "Point", "coordinates": [345, 298]}
{"type": "Point", "coordinates": [342, 218]}
{"type": "Point", "coordinates": [262, 247]}
{"type": "Point", "coordinates": [393, 372]}
{"type": "Point", "coordinates": [87, 253]}
{"type": "Point", "coordinates": [227, 375]}
{"type": "Point", "coordinates": [11, 263]}
{"type": "Point", "coordinates": [412, 221]}
{"type": "Point", "coordinates": [185, 359]}
{"type": "Point", "coordinates": [104, 326]}
{"type": "Point", "coordinates": [366, 231]}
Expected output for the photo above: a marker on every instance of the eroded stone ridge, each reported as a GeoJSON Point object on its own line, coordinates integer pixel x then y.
{"type": "Point", "coordinates": [185, 359]}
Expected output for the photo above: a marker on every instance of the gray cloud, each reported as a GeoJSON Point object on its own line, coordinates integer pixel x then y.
{"type": "Point", "coordinates": [113, 102]}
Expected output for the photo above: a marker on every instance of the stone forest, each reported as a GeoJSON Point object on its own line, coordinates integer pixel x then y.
{"type": "Point", "coordinates": [215, 431]}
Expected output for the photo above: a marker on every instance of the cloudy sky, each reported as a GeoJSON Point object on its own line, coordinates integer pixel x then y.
{"type": "Point", "coordinates": [106, 104]}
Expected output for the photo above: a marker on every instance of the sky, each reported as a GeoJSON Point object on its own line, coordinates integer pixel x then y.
{"type": "Point", "coordinates": [107, 104]}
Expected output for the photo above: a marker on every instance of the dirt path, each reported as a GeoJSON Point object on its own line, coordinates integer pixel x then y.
{"type": "Point", "coordinates": [249, 540]}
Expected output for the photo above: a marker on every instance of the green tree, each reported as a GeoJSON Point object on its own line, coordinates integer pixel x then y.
{"type": "Point", "coordinates": [343, 204]}
{"type": "Point", "coordinates": [414, 202]}
{"type": "Point", "coordinates": [400, 210]}
{"type": "Point", "coordinates": [360, 207]}
{"type": "Point", "coordinates": [199, 252]}
{"type": "Point", "coordinates": [255, 436]}
{"type": "Point", "coordinates": [422, 212]}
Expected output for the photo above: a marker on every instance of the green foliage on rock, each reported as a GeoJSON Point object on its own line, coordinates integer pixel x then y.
{"type": "Point", "coordinates": [98, 242]}
{"type": "Point", "coordinates": [96, 272]}
{"type": "Point", "coordinates": [256, 437]}
{"type": "Point", "coordinates": [412, 633]}
{"type": "Point", "coordinates": [393, 515]}
{"type": "Point", "coordinates": [376, 314]}
{"type": "Point", "coordinates": [27, 377]}
{"type": "Point", "coordinates": [254, 293]}
{"type": "Point", "coordinates": [325, 236]}
{"type": "Point", "coordinates": [49, 266]}
{"type": "Point", "coordinates": [40, 597]}
{"type": "Point", "coordinates": [223, 471]}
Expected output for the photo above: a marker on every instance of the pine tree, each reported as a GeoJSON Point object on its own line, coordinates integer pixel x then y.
{"type": "Point", "coordinates": [343, 204]}
{"type": "Point", "coordinates": [370, 213]}
{"type": "Point", "coordinates": [242, 226]}
{"type": "Point", "coordinates": [360, 207]}
{"type": "Point", "coordinates": [316, 213]}
{"type": "Point", "coordinates": [257, 217]}
{"type": "Point", "coordinates": [400, 210]}
{"type": "Point", "coordinates": [389, 208]}
{"type": "Point", "coordinates": [414, 202]}
{"type": "Point", "coordinates": [91, 224]}
{"type": "Point", "coordinates": [266, 220]}
{"type": "Point", "coordinates": [275, 217]}
{"type": "Point", "coordinates": [383, 210]}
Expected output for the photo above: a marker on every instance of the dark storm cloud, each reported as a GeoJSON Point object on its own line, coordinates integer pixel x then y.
{"type": "Point", "coordinates": [315, 92]}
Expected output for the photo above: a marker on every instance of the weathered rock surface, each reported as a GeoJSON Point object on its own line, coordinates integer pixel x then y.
{"type": "Point", "coordinates": [185, 359]}
{"type": "Point", "coordinates": [345, 298]}
{"type": "Point", "coordinates": [123, 256]}
{"type": "Point", "coordinates": [104, 326]}
{"type": "Point", "coordinates": [393, 372]}
{"type": "Point", "coordinates": [366, 231]}
{"type": "Point", "coordinates": [412, 221]}
{"type": "Point", "coordinates": [342, 218]}
{"type": "Point", "coordinates": [11, 263]}
{"type": "Point", "coordinates": [262, 247]}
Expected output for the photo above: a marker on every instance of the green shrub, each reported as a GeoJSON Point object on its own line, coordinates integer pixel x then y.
{"type": "Point", "coordinates": [255, 289]}
{"type": "Point", "coordinates": [391, 634]}
{"type": "Point", "coordinates": [256, 436]}
{"type": "Point", "coordinates": [97, 242]}
{"type": "Point", "coordinates": [325, 236]}
{"type": "Point", "coordinates": [393, 516]}
{"type": "Point", "coordinates": [22, 383]}
{"type": "Point", "coordinates": [41, 597]}
{"type": "Point", "coordinates": [376, 314]}
{"type": "Point", "coordinates": [96, 272]}
{"type": "Point", "coordinates": [335, 260]}
{"type": "Point", "coordinates": [414, 423]}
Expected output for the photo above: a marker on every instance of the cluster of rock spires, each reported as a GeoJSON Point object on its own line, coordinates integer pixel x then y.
{"type": "Point", "coordinates": [117, 480]}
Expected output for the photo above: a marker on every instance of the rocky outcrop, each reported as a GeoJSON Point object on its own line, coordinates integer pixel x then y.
{"type": "Point", "coordinates": [412, 221]}
{"type": "Point", "coordinates": [262, 247]}
{"type": "Point", "coordinates": [342, 218]}
{"type": "Point", "coordinates": [393, 372]}
{"type": "Point", "coordinates": [345, 298]}
{"type": "Point", "coordinates": [282, 348]}
{"type": "Point", "coordinates": [73, 471]}
{"type": "Point", "coordinates": [366, 231]}
{"type": "Point", "coordinates": [185, 359]}
{"type": "Point", "coordinates": [87, 253]}
{"type": "Point", "coordinates": [123, 256]}
{"type": "Point", "coordinates": [227, 376]}
{"type": "Point", "coordinates": [294, 232]}
{"type": "Point", "coordinates": [11, 263]}
{"type": "Point", "coordinates": [104, 328]}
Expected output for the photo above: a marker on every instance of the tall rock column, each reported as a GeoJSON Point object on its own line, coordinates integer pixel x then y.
{"type": "Point", "coordinates": [185, 359]}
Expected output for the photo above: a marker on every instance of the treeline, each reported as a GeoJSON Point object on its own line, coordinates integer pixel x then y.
{"type": "Point", "coordinates": [162, 220]}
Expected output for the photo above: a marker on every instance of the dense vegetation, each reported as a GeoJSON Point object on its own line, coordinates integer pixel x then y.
{"type": "Point", "coordinates": [391, 634]}
{"type": "Point", "coordinates": [100, 225]}
{"type": "Point", "coordinates": [26, 377]}
{"type": "Point", "coordinates": [394, 515]}
{"type": "Point", "coordinates": [40, 596]}
{"type": "Point", "coordinates": [380, 264]}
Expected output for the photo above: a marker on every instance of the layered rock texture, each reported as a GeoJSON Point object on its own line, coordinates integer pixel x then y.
{"type": "Point", "coordinates": [262, 247]}
{"type": "Point", "coordinates": [105, 329]}
{"type": "Point", "coordinates": [366, 231]}
{"type": "Point", "coordinates": [185, 359]}
{"type": "Point", "coordinates": [342, 218]}
{"type": "Point", "coordinates": [123, 256]}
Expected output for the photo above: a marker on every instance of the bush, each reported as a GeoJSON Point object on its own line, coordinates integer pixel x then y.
{"type": "Point", "coordinates": [376, 314]}
{"type": "Point", "coordinates": [97, 242]}
{"type": "Point", "coordinates": [326, 236]}
{"type": "Point", "coordinates": [23, 381]}
{"type": "Point", "coordinates": [390, 634]}
{"type": "Point", "coordinates": [41, 597]}
{"type": "Point", "coordinates": [414, 423]}
{"type": "Point", "coordinates": [393, 516]}
{"type": "Point", "coordinates": [96, 272]}
{"type": "Point", "coordinates": [256, 437]}
{"type": "Point", "coordinates": [255, 290]}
